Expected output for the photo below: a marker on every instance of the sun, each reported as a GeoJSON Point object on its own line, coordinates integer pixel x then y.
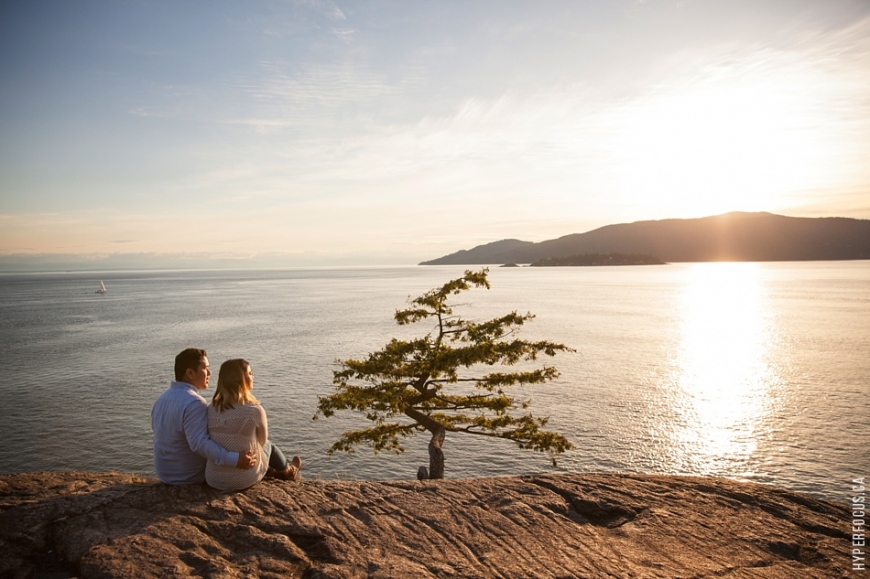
{"type": "Point", "coordinates": [715, 147]}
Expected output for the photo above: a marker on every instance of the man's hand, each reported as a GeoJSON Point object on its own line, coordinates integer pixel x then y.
{"type": "Point", "coordinates": [247, 460]}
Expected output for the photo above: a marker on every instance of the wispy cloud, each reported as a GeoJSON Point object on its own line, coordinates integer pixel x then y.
{"type": "Point", "coordinates": [345, 34]}
{"type": "Point", "coordinates": [336, 13]}
{"type": "Point", "coordinates": [304, 86]}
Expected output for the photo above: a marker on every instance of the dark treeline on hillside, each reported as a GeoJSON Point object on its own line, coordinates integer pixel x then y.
{"type": "Point", "coordinates": [592, 259]}
{"type": "Point", "coordinates": [728, 237]}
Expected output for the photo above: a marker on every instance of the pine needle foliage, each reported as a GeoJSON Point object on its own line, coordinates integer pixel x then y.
{"type": "Point", "coordinates": [445, 381]}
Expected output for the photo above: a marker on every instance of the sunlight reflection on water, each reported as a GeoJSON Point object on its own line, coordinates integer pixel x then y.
{"type": "Point", "coordinates": [722, 377]}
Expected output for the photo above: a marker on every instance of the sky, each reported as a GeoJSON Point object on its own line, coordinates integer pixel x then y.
{"type": "Point", "coordinates": [140, 133]}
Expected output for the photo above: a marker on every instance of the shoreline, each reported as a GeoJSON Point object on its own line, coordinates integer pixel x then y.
{"type": "Point", "coordinates": [616, 525]}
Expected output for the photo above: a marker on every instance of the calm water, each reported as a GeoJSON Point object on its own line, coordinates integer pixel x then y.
{"type": "Point", "coordinates": [749, 371]}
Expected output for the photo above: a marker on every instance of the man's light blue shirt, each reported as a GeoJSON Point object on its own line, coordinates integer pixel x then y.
{"type": "Point", "coordinates": [179, 420]}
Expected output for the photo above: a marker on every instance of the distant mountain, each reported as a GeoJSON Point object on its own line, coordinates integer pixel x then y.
{"type": "Point", "coordinates": [593, 259]}
{"type": "Point", "coordinates": [730, 237]}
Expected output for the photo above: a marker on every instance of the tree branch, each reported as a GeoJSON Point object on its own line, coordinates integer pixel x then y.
{"type": "Point", "coordinates": [423, 397]}
{"type": "Point", "coordinates": [425, 420]}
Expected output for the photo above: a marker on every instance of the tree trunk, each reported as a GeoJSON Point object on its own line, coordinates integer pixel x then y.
{"type": "Point", "coordinates": [436, 455]}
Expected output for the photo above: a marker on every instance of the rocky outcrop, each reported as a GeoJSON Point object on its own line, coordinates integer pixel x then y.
{"type": "Point", "coordinates": [575, 525]}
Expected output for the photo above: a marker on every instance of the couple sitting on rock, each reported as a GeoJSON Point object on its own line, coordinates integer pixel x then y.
{"type": "Point", "coordinates": [225, 443]}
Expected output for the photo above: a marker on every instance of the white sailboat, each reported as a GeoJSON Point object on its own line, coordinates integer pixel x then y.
{"type": "Point", "coordinates": [102, 289]}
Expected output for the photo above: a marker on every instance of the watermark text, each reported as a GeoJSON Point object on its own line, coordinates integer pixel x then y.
{"type": "Point", "coordinates": [859, 518]}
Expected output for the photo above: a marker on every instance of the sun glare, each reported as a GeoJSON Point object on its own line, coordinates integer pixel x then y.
{"type": "Point", "coordinates": [718, 146]}
{"type": "Point", "coordinates": [722, 373]}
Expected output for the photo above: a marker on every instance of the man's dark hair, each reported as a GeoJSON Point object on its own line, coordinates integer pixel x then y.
{"type": "Point", "coordinates": [189, 358]}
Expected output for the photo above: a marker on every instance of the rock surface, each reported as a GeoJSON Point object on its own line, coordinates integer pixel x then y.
{"type": "Point", "coordinates": [67, 524]}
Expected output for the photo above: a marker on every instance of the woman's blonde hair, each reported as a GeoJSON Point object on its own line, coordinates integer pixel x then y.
{"type": "Point", "coordinates": [234, 385]}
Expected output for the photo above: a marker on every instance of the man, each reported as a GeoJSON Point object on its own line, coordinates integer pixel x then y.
{"type": "Point", "coordinates": [179, 420]}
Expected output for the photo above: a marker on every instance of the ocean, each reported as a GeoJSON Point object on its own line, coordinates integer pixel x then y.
{"type": "Point", "coordinates": [749, 371]}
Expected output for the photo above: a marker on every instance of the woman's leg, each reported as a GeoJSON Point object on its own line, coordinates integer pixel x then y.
{"type": "Point", "coordinates": [277, 460]}
{"type": "Point", "coordinates": [279, 466]}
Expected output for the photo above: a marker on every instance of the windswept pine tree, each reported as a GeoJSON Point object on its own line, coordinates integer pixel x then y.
{"type": "Point", "coordinates": [443, 382]}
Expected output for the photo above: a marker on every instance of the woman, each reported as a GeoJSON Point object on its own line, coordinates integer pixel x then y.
{"type": "Point", "coordinates": [237, 422]}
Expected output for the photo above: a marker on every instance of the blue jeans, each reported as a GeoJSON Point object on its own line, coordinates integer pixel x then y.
{"type": "Point", "coordinates": [277, 460]}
